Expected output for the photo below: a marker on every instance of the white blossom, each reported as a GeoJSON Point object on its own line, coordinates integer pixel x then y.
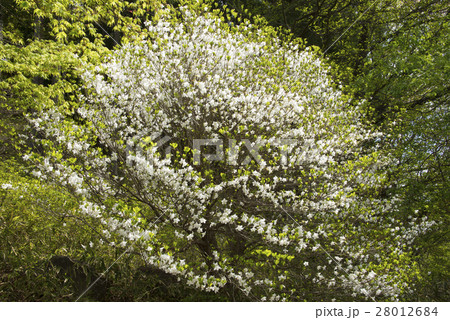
{"type": "Point", "coordinates": [198, 79]}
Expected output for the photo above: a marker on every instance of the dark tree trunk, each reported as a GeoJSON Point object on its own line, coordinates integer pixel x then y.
{"type": "Point", "coordinates": [1, 24]}
{"type": "Point", "coordinates": [37, 28]}
{"type": "Point", "coordinates": [37, 37]}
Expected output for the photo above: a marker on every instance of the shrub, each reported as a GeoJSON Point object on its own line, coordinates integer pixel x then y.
{"type": "Point", "coordinates": [227, 158]}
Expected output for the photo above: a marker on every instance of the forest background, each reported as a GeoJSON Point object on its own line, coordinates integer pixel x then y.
{"type": "Point", "coordinates": [392, 54]}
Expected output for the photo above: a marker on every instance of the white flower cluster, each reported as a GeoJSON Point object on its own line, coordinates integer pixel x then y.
{"type": "Point", "coordinates": [309, 206]}
{"type": "Point", "coordinates": [6, 186]}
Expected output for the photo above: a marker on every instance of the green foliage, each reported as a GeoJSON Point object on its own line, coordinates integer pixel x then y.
{"type": "Point", "coordinates": [394, 54]}
{"type": "Point", "coordinates": [44, 44]}
{"type": "Point", "coordinates": [29, 235]}
{"type": "Point", "coordinates": [49, 254]}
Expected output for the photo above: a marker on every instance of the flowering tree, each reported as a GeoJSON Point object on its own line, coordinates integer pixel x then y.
{"type": "Point", "coordinates": [230, 160]}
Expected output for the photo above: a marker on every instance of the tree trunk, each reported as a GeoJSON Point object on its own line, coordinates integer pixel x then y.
{"type": "Point", "coordinates": [37, 37]}
{"type": "Point", "coordinates": [37, 28]}
{"type": "Point", "coordinates": [1, 24]}
{"type": "Point", "coordinates": [1, 31]}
